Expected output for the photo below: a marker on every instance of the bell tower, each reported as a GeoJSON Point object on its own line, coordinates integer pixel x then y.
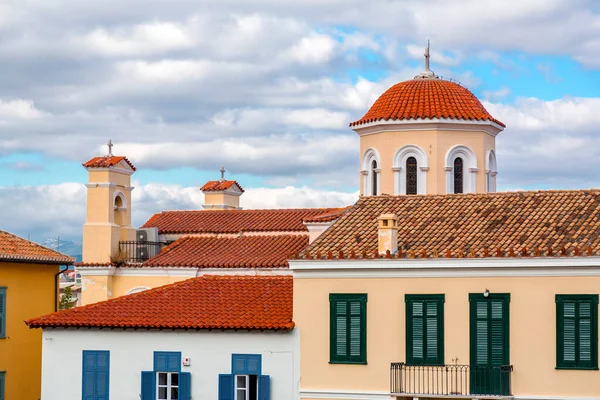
{"type": "Point", "coordinates": [108, 217]}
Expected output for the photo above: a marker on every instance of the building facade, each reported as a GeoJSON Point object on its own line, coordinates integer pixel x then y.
{"type": "Point", "coordinates": [28, 289]}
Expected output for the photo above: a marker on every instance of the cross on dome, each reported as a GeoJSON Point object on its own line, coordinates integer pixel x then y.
{"type": "Point", "coordinates": [222, 173]}
{"type": "Point", "coordinates": [110, 146]}
{"type": "Point", "coordinates": [428, 73]}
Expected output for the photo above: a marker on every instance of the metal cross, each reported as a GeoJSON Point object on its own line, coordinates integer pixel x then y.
{"type": "Point", "coordinates": [427, 56]}
{"type": "Point", "coordinates": [222, 173]}
{"type": "Point", "coordinates": [110, 145]}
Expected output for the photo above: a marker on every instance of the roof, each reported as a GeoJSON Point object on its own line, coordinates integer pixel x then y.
{"type": "Point", "coordinates": [107, 161]}
{"type": "Point", "coordinates": [327, 217]}
{"type": "Point", "coordinates": [425, 99]}
{"type": "Point", "coordinates": [206, 302]}
{"type": "Point", "coordinates": [260, 251]}
{"type": "Point", "coordinates": [233, 221]}
{"type": "Point", "coordinates": [16, 249]}
{"type": "Point", "coordinates": [525, 223]}
{"type": "Point", "coordinates": [217, 186]}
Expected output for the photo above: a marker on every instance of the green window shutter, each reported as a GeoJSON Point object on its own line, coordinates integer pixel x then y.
{"type": "Point", "coordinates": [489, 329]}
{"type": "Point", "coordinates": [2, 380]}
{"type": "Point", "coordinates": [577, 331]}
{"type": "Point", "coordinates": [425, 329]}
{"type": "Point", "coordinates": [2, 313]}
{"type": "Point", "coordinates": [348, 328]}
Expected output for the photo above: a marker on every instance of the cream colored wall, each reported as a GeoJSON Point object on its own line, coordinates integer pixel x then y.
{"type": "Point", "coordinates": [532, 330]}
{"type": "Point", "coordinates": [220, 198]}
{"type": "Point", "coordinates": [30, 294]}
{"type": "Point", "coordinates": [436, 144]}
{"type": "Point", "coordinates": [96, 288]}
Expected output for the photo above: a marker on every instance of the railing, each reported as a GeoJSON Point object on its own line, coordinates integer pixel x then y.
{"type": "Point", "coordinates": [450, 380]}
{"type": "Point", "coordinates": [138, 251]}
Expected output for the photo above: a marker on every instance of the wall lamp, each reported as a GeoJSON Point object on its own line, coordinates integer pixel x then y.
{"type": "Point", "coordinates": [486, 293]}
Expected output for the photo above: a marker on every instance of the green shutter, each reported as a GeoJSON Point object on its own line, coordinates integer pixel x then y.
{"type": "Point", "coordinates": [490, 329]}
{"type": "Point", "coordinates": [348, 328]}
{"type": "Point", "coordinates": [2, 313]}
{"type": "Point", "coordinates": [2, 385]}
{"type": "Point", "coordinates": [577, 331]}
{"type": "Point", "coordinates": [424, 329]}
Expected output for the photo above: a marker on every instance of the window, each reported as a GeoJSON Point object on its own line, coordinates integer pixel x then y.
{"type": "Point", "coordinates": [166, 381]}
{"type": "Point", "coordinates": [96, 373]}
{"type": "Point", "coordinates": [2, 384]}
{"type": "Point", "coordinates": [374, 178]}
{"type": "Point", "coordinates": [246, 381]}
{"type": "Point", "coordinates": [577, 331]}
{"type": "Point", "coordinates": [458, 175]}
{"type": "Point", "coordinates": [411, 175]}
{"type": "Point", "coordinates": [424, 329]}
{"type": "Point", "coordinates": [348, 328]}
{"type": "Point", "coordinates": [167, 385]}
{"type": "Point", "coordinates": [2, 313]}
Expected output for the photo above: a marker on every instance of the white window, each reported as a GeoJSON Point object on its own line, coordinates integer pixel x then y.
{"type": "Point", "coordinates": [409, 180]}
{"type": "Point", "coordinates": [461, 169]}
{"type": "Point", "coordinates": [246, 387]}
{"type": "Point", "coordinates": [371, 169]}
{"type": "Point", "coordinates": [491, 170]}
{"type": "Point", "coordinates": [167, 386]}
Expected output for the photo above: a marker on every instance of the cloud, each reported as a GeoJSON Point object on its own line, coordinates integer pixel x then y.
{"type": "Point", "coordinates": [314, 49]}
{"type": "Point", "coordinates": [496, 95]}
{"type": "Point", "coordinates": [65, 205]}
{"type": "Point", "coordinates": [19, 109]}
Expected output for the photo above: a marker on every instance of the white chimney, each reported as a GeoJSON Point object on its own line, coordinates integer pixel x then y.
{"type": "Point", "coordinates": [387, 229]}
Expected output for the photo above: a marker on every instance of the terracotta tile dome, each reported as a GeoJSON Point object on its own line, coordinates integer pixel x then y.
{"type": "Point", "coordinates": [427, 98]}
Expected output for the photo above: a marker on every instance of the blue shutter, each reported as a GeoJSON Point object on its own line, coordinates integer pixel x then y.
{"type": "Point", "coordinates": [95, 375]}
{"type": "Point", "coordinates": [2, 315]}
{"type": "Point", "coordinates": [264, 387]}
{"type": "Point", "coordinates": [185, 386]}
{"type": "Point", "coordinates": [167, 361]}
{"type": "Point", "coordinates": [246, 364]}
{"type": "Point", "coordinates": [225, 387]}
{"type": "Point", "coordinates": [148, 385]}
{"type": "Point", "coordinates": [2, 385]}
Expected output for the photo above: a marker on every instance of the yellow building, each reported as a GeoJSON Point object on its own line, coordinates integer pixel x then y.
{"type": "Point", "coordinates": [28, 289]}
{"type": "Point", "coordinates": [459, 293]}
{"type": "Point", "coordinates": [120, 260]}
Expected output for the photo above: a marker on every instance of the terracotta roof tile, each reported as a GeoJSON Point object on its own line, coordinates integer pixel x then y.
{"type": "Point", "coordinates": [207, 302]}
{"type": "Point", "coordinates": [234, 221]}
{"type": "Point", "coordinates": [244, 252]}
{"type": "Point", "coordinates": [217, 186]}
{"type": "Point", "coordinates": [503, 224]}
{"type": "Point", "coordinates": [327, 217]}
{"type": "Point", "coordinates": [424, 99]}
{"type": "Point", "coordinates": [107, 161]}
{"type": "Point", "coordinates": [16, 249]}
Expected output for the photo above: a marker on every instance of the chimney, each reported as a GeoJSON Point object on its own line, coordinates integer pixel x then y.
{"type": "Point", "coordinates": [387, 232]}
{"type": "Point", "coordinates": [222, 194]}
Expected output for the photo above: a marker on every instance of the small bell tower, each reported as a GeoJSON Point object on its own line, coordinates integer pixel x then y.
{"type": "Point", "coordinates": [108, 218]}
{"type": "Point", "coordinates": [222, 194]}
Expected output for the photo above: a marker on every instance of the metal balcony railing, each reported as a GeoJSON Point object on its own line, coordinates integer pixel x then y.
{"type": "Point", "coordinates": [136, 251]}
{"type": "Point", "coordinates": [450, 380]}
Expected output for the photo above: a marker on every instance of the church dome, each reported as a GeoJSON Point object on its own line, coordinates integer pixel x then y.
{"type": "Point", "coordinates": [426, 99]}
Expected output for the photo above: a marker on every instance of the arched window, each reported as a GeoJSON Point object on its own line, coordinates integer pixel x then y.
{"type": "Point", "coordinates": [491, 170]}
{"type": "Point", "coordinates": [374, 178]}
{"type": "Point", "coordinates": [120, 206]}
{"type": "Point", "coordinates": [411, 175]}
{"type": "Point", "coordinates": [458, 175]}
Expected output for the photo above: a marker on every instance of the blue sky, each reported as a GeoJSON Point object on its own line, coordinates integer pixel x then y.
{"type": "Point", "coordinates": [268, 90]}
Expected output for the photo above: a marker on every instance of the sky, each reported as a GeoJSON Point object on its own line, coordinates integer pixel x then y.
{"type": "Point", "coordinates": [267, 89]}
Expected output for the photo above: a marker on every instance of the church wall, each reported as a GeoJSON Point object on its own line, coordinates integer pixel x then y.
{"type": "Point", "coordinates": [103, 176]}
{"type": "Point", "coordinates": [532, 331]}
{"type": "Point", "coordinates": [95, 288]}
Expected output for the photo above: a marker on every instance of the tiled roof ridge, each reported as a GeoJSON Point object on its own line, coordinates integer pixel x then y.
{"type": "Point", "coordinates": [219, 185]}
{"type": "Point", "coordinates": [249, 209]}
{"type": "Point", "coordinates": [95, 162]}
{"type": "Point", "coordinates": [49, 320]}
{"type": "Point", "coordinates": [511, 252]}
{"type": "Point", "coordinates": [328, 216]}
{"type": "Point", "coordinates": [487, 194]}
{"type": "Point", "coordinates": [53, 256]}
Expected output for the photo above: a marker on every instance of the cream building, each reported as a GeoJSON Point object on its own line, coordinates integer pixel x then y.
{"type": "Point", "coordinates": [448, 290]}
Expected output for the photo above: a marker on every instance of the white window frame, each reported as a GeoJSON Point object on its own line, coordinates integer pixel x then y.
{"type": "Point", "coordinates": [491, 170]}
{"type": "Point", "coordinates": [368, 171]}
{"type": "Point", "coordinates": [399, 168]}
{"type": "Point", "coordinates": [169, 386]}
{"type": "Point", "coordinates": [469, 168]}
{"type": "Point", "coordinates": [246, 387]}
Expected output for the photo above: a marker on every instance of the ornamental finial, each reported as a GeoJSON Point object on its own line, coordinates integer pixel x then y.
{"type": "Point", "coordinates": [110, 146]}
{"type": "Point", "coordinates": [222, 173]}
{"type": "Point", "coordinates": [428, 73]}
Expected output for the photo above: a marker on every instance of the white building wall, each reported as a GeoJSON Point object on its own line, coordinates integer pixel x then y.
{"type": "Point", "coordinates": [132, 352]}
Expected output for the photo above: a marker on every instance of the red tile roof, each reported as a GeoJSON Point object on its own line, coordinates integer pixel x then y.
{"type": "Point", "coordinates": [16, 249]}
{"type": "Point", "coordinates": [244, 252]}
{"type": "Point", "coordinates": [107, 161]}
{"type": "Point", "coordinates": [234, 221]}
{"type": "Point", "coordinates": [327, 217]}
{"type": "Point", "coordinates": [425, 99]}
{"type": "Point", "coordinates": [545, 223]}
{"type": "Point", "coordinates": [217, 186]}
{"type": "Point", "coordinates": [207, 302]}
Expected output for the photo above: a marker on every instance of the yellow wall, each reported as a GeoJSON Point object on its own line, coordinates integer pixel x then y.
{"type": "Point", "coordinates": [99, 288]}
{"type": "Point", "coordinates": [30, 293]}
{"type": "Point", "coordinates": [532, 330]}
{"type": "Point", "coordinates": [436, 144]}
{"type": "Point", "coordinates": [221, 199]}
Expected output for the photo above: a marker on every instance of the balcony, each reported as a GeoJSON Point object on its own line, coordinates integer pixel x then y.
{"type": "Point", "coordinates": [460, 381]}
{"type": "Point", "coordinates": [135, 251]}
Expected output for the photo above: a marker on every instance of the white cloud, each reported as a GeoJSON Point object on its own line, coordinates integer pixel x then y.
{"type": "Point", "coordinates": [19, 109]}
{"type": "Point", "coordinates": [496, 95]}
{"type": "Point", "coordinates": [314, 49]}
